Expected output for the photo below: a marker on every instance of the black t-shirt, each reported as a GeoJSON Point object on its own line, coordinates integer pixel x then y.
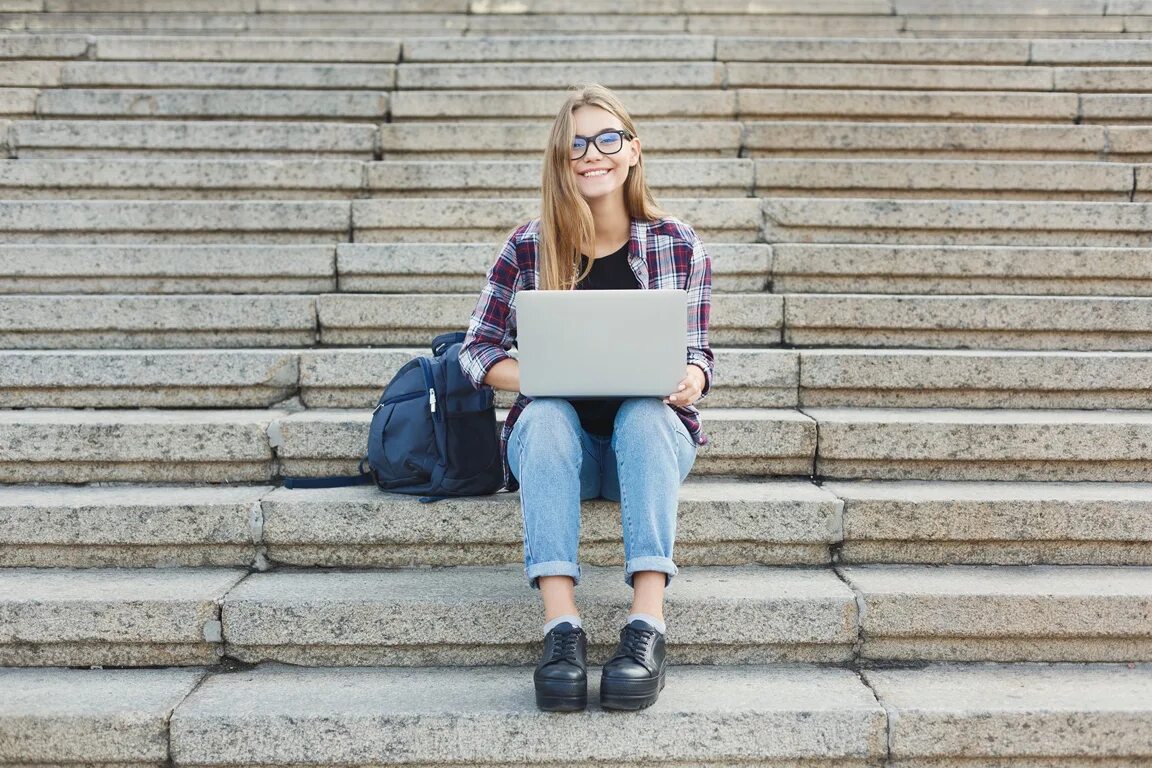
{"type": "Point", "coordinates": [609, 273]}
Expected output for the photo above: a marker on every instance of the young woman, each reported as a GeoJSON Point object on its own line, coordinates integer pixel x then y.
{"type": "Point", "coordinates": [599, 228]}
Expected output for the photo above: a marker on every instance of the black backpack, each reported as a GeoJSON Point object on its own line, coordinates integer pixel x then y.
{"type": "Point", "coordinates": [432, 433]}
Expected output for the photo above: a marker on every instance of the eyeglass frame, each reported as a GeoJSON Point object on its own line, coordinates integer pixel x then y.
{"type": "Point", "coordinates": [625, 135]}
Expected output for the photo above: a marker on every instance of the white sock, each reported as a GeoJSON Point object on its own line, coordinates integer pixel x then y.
{"type": "Point", "coordinates": [660, 626]}
{"type": "Point", "coordinates": [571, 619]}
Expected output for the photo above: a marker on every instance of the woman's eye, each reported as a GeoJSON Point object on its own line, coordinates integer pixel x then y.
{"type": "Point", "coordinates": [609, 140]}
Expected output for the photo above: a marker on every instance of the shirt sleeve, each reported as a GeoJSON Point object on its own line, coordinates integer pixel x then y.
{"type": "Point", "coordinates": [489, 337]}
{"type": "Point", "coordinates": [699, 287]}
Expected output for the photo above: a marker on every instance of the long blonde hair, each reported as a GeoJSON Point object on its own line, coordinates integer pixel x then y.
{"type": "Point", "coordinates": [567, 228]}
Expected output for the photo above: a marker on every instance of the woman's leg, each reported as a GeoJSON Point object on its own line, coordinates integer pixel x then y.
{"type": "Point", "coordinates": [557, 467]}
{"type": "Point", "coordinates": [653, 454]}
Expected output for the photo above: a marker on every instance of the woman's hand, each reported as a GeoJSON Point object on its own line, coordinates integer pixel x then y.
{"type": "Point", "coordinates": [690, 387]}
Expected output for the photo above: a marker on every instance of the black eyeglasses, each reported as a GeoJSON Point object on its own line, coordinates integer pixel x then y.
{"type": "Point", "coordinates": [609, 142]}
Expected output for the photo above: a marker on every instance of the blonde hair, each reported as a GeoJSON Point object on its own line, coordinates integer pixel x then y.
{"type": "Point", "coordinates": [567, 228]}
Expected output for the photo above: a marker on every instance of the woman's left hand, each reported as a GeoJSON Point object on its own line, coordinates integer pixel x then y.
{"type": "Point", "coordinates": [690, 387]}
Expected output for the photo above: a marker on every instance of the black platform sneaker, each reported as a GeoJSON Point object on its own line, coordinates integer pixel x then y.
{"type": "Point", "coordinates": [561, 677]}
{"type": "Point", "coordinates": [634, 676]}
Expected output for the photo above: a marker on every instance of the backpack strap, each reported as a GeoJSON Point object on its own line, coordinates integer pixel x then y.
{"type": "Point", "coordinates": [332, 481]}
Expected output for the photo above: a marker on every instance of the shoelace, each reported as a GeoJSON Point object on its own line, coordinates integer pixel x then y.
{"type": "Point", "coordinates": [565, 647]}
{"type": "Point", "coordinates": [634, 643]}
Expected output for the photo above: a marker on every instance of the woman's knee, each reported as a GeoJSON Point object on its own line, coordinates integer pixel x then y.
{"type": "Point", "coordinates": [548, 423]}
{"type": "Point", "coordinates": [641, 413]}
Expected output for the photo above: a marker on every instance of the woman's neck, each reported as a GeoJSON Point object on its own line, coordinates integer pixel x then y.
{"type": "Point", "coordinates": [613, 225]}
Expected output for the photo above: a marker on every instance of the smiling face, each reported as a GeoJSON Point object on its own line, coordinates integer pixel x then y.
{"type": "Point", "coordinates": [599, 175]}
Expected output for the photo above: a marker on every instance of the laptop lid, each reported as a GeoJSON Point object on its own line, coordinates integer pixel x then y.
{"type": "Point", "coordinates": [601, 343]}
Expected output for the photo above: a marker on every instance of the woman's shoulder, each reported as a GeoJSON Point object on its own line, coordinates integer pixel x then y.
{"type": "Point", "coordinates": [528, 232]}
{"type": "Point", "coordinates": [670, 226]}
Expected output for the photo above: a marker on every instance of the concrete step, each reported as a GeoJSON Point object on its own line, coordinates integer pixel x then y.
{"type": "Point", "coordinates": [904, 106]}
{"type": "Point", "coordinates": [1003, 613]}
{"type": "Point", "coordinates": [972, 139]}
{"type": "Point", "coordinates": [963, 269]}
{"type": "Point", "coordinates": [248, 48]}
{"type": "Point", "coordinates": [963, 222]}
{"type": "Point", "coordinates": [213, 378]}
{"type": "Point", "coordinates": [1011, 714]}
{"type": "Point", "coordinates": [749, 378]}
{"type": "Point", "coordinates": [59, 446]}
{"type": "Point", "coordinates": [402, 617]}
{"type": "Point", "coordinates": [144, 322]}
{"type": "Point", "coordinates": [461, 267]}
{"type": "Point", "coordinates": [747, 715]}
{"type": "Point", "coordinates": [1073, 51]}
{"type": "Point", "coordinates": [732, 220]}
{"type": "Point", "coordinates": [31, 74]}
{"type": "Point", "coordinates": [168, 222]}
{"type": "Point", "coordinates": [907, 444]}
{"type": "Point", "coordinates": [743, 441]}
{"type": "Point", "coordinates": [18, 102]}
{"type": "Point", "coordinates": [659, 104]}
{"type": "Point", "coordinates": [147, 322]}
{"type": "Point", "coordinates": [1116, 108]}
{"type": "Point", "coordinates": [869, 76]}
{"type": "Point", "coordinates": [179, 74]}
{"type": "Point", "coordinates": [669, 73]}
{"type": "Point", "coordinates": [903, 378]}
{"type": "Point", "coordinates": [895, 444]}
{"type": "Point", "coordinates": [494, 140]}
{"type": "Point", "coordinates": [217, 103]}
{"type": "Point", "coordinates": [137, 526]}
{"type": "Point", "coordinates": [134, 446]}
{"type": "Point", "coordinates": [892, 50]}
{"type": "Point", "coordinates": [736, 319]}
{"type": "Point", "coordinates": [967, 712]}
{"type": "Point", "coordinates": [1023, 26]}
{"type": "Point", "coordinates": [995, 523]}
{"type": "Point", "coordinates": [129, 139]}
{"type": "Point", "coordinates": [113, 617]}
{"type": "Point", "coordinates": [952, 179]}
{"type": "Point", "coordinates": [167, 269]}
{"type": "Point", "coordinates": [157, 179]}
{"type": "Point", "coordinates": [97, 716]}
{"type": "Point", "coordinates": [721, 522]}
{"type": "Point", "coordinates": [985, 322]}
{"type": "Point", "coordinates": [550, 49]}
{"type": "Point", "coordinates": [134, 617]}
{"type": "Point", "coordinates": [42, 46]}
{"type": "Point", "coordinates": [177, 20]}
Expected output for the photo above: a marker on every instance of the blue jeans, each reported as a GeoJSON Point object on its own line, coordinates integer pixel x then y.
{"type": "Point", "coordinates": [559, 464]}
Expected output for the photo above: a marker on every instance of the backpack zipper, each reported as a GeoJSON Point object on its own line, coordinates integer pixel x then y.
{"type": "Point", "coordinates": [426, 367]}
{"type": "Point", "coordinates": [397, 399]}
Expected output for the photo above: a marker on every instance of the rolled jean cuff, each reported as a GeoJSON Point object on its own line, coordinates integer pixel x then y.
{"type": "Point", "coordinates": [662, 564]}
{"type": "Point", "coordinates": [552, 568]}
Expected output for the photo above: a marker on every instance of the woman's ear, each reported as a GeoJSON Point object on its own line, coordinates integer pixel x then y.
{"type": "Point", "coordinates": [635, 152]}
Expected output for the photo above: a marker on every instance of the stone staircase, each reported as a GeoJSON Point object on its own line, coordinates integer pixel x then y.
{"type": "Point", "coordinates": [921, 535]}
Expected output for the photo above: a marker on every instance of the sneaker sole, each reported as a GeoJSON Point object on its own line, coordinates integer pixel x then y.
{"type": "Point", "coordinates": [630, 695]}
{"type": "Point", "coordinates": [559, 697]}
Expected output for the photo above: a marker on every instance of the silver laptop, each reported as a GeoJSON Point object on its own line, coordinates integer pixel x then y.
{"type": "Point", "coordinates": [601, 343]}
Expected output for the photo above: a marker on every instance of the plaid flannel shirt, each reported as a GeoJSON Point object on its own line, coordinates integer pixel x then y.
{"type": "Point", "coordinates": [663, 254]}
